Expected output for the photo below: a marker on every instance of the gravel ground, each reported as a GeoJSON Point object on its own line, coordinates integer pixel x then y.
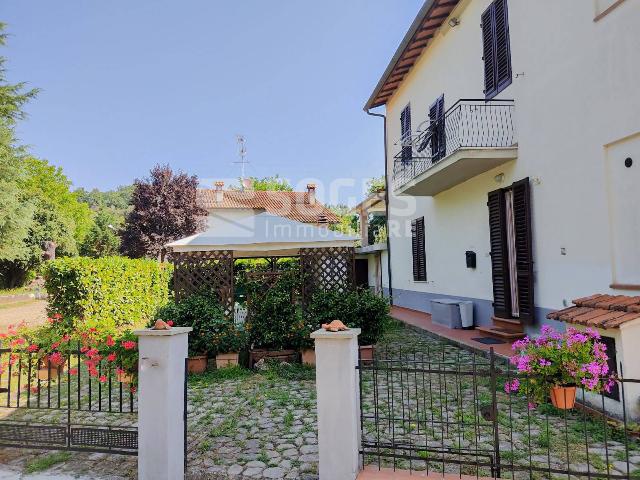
{"type": "Point", "coordinates": [31, 311]}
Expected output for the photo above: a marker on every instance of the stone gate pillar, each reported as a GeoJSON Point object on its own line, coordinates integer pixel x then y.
{"type": "Point", "coordinates": [338, 394]}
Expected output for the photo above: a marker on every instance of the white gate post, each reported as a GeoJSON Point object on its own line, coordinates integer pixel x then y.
{"type": "Point", "coordinates": [161, 377]}
{"type": "Point", "coordinates": [338, 394]}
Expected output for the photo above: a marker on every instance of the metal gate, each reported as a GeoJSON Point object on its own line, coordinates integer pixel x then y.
{"type": "Point", "coordinates": [65, 408]}
{"type": "Point", "coordinates": [446, 410]}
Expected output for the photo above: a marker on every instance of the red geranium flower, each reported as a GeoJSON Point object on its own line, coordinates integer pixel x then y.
{"type": "Point", "coordinates": [111, 357]}
{"type": "Point", "coordinates": [102, 379]}
{"type": "Point", "coordinates": [73, 371]}
{"type": "Point", "coordinates": [110, 341]}
{"type": "Point", "coordinates": [129, 344]}
{"type": "Point", "coordinates": [32, 348]}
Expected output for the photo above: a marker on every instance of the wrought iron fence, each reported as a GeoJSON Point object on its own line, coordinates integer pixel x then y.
{"type": "Point", "coordinates": [64, 407]}
{"type": "Point", "coordinates": [468, 123]}
{"type": "Point", "coordinates": [447, 411]}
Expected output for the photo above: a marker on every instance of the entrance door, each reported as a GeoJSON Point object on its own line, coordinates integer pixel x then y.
{"type": "Point", "coordinates": [511, 252]}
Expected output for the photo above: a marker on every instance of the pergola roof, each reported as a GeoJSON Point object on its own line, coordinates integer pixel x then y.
{"type": "Point", "coordinates": [262, 235]}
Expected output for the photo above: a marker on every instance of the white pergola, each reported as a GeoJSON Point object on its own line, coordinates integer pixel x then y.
{"type": "Point", "coordinates": [262, 235]}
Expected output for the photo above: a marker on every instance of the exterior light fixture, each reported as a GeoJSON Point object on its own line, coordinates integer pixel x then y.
{"type": "Point", "coordinates": [454, 22]}
{"type": "Point", "coordinates": [499, 178]}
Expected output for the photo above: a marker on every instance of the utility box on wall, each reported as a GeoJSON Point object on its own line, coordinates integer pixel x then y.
{"type": "Point", "coordinates": [471, 259]}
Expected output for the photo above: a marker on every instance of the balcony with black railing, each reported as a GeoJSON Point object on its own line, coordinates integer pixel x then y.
{"type": "Point", "coordinates": [472, 137]}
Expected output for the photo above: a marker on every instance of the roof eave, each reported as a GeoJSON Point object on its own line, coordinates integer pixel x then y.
{"type": "Point", "coordinates": [396, 56]}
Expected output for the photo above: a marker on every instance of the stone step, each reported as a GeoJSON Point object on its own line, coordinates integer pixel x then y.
{"type": "Point", "coordinates": [501, 333]}
{"type": "Point", "coordinates": [508, 324]}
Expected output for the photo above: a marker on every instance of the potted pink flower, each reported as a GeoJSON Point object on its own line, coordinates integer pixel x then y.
{"type": "Point", "coordinates": [554, 364]}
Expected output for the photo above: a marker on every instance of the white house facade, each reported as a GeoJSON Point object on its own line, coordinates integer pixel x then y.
{"type": "Point", "coordinates": [513, 155]}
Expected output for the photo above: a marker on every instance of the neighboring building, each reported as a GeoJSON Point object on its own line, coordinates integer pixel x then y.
{"type": "Point", "coordinates": [513, 156]}
{"type": "Point", "coordinates": [371, 256]}
{"type": "Point", "coordinates": [232, 205]}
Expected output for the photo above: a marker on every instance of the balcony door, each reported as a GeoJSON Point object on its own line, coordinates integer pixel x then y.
{"type": "Point", "coordinates": [511, 252]}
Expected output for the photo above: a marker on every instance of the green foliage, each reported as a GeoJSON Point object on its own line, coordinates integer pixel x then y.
{"type": "Point", "coordinates": [348, 223]}
{"type": "Point", "coordinates": [357, 309]}
{"type": "Point", "coordinates": [102, 240]}
{"type": "Point", "coordinates": [44, 462]}
{"type": "Point", "coordinates": [376, 184]}
{"type": "Point", "coordinates": [110, 292]}
{"type": "Point", "coordinates": [274, 320]}
{"type": "Point", "coordinates": [273, 183]}
{"type": "Point", "coordinates": [212, 332]}
{"type": "Point", "coordinates": [112, 200]}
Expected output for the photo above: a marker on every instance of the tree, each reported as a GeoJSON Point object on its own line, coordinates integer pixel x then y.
{"type": "Point", "coordinates": [114, 200]}
{"type": "Point", "coordinates": [348, 223]}
{"type": "Point", "coordinates": [102, 240]}
{"type": "Point", "coordinates": [164, 209]}
{"type": "Point", "coordinates": [271, 183]}
{"type": "Point", "coordinates": [57, 216]}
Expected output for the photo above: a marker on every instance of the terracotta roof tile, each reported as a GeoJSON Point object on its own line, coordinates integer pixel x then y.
{"type": "Point", "coordinates": [600, 310]}
{"type": "Point", "coordinates": [292, 205]}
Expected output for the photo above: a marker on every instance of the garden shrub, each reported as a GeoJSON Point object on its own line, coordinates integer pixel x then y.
{"type": "Point", "coordinates": [274, 319]}
{"type": "Point", "coordinates": [212, 333]}
{"type": "Point", "coordinates": [357, 309]}
{"type": "Point", "coordinates": [110, 293]}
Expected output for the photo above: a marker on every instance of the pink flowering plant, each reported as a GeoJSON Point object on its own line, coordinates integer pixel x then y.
{"type": "Point", "coordinates": [574, 358]}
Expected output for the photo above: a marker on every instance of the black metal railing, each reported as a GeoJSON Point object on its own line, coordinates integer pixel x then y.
{"type": "Point", "coordinates": [469, 123]}
{"type": "Point", "coordinates": [65, 407]}
{"type": "Point", "coordinates": [444, 411]}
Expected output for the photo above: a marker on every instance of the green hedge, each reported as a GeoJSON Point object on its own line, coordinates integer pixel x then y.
{"type": "Point", "coordinates": [109, 292]}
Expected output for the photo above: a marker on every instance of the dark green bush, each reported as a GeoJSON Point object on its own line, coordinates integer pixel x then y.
{"type": "Point", "coordinates": [212, 332]}
{"type": "Point", "coordinates": [357, 309]}
{"type": "Point", "coordinates": [274, 319]}
{"type": "Point", "coordinates": [110, 293]}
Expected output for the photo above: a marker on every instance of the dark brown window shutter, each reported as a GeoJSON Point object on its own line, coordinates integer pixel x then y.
{"type": "Point", "coordinates": [418, 250]}
{"type": "Point", "coordinates": [488, 51]}
{"type": "Point", "coordinates": [524, 251]}
{"type": "Point", "coordinates": [405, 133]}
{"type": "Point", "coordinates": [499, 259]}
{"type": "Point", "coordinates": [496, 50]}
{"type": "Point", "coordinates": [503, 54]}
{"type": "Point", "coordinates": [438, 135]}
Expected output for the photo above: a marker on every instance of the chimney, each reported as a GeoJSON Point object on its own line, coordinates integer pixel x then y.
{"type": "Point", "coordinates": [219, 192]}
{"type": "Point", "coordinates": [247, 184]}
{"type": "Point", "coordinates": [311, 190]}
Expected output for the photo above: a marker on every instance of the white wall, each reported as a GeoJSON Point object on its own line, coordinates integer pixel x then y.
{"type": "Point", "coordinates": [576, 93]}
{"type": "Point", "coordinates": [217, 216]}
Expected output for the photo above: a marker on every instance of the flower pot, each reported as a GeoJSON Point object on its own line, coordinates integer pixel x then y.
{"type": "Point", "coordinates": [309, 356]}
{"type": "Point", "coordinates": [563, 397]}
{"type": "Point", "coordinates": [124, 377]}
{"type": "Point", "coordinates": [227, 359]}
{"type": "Point", "coordinates": [49, 371]}
{"type": "Point", "coordinates": [366, 353]}
{"type": "Point", "coordinates": [290, 356]}
{"type": "Point", "coordinates": [197, 364]}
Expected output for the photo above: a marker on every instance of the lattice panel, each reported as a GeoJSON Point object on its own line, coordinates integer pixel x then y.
{"type": "Point", "coordinates": [204, 271]}
{"type": "Point", "coordinates": [330, 268]}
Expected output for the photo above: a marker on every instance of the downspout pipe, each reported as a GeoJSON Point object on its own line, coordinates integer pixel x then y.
{"type": "Point", "coordinates": [386, 201]}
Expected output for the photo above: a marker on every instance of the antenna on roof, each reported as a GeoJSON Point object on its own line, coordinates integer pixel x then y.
{"type": "Point", "coordinates": [242, 152]}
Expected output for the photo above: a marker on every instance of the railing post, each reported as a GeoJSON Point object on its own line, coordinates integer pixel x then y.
{"type": "Point", "coordinates": [338, 398]}
{"type": "Point", "coordinates": [161, 377]}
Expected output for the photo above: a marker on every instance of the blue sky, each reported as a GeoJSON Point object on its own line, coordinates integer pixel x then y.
{"type": "Point", "coordinates": [128, 84]}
